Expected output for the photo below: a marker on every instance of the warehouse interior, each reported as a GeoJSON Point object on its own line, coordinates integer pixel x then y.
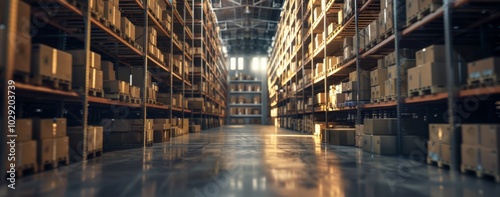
{"type": "Point", "coordinates": [250, 97]}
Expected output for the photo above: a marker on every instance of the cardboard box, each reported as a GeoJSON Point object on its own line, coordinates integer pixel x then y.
{"type": "Point", "coordinates": [95, 78]}
{"type": "Point", "coordinates": [110, 12]}
{"type": "Point", "coordinates": [445, 152]}
{"type": "Point", "coordinates": [490, 160]}
{"type": "Point", "coordinates": [108, 72]}
{"type": "Point", "coordinates": [347, 52]}
{"type": "Point", "coordinates": [64, 70]}
{"type": "Point", "coordinates": [364, 74]}
{"type": "Point", "coordinates": [471, 134]}
{"type": "Point", "coordinates": [24, 129]}
{"type": "Point", "coordinates": [342, 136]}
{"type": "Point", "coordinates": [384, 145]}
{"type": "Point", "coordinates": [116, 86]}
{"type": "Point", "coordinates": [434, 150]}
{"type": "Point", "coordinates": [490, 135]}
{"type": "Point", "coordinates": [94, 60]}
{"type": "Point", "coordinates": [390, 88]}
{"type": "Point", "coordinates": [47, 150]}
{"type": "Point", "coordinates": [161, 136]}
{"type": "Point", "coordinates": [348, 42]}
{"type": "Point", "coordinates": [43, 62]}
{"type": "Point", "coordinates": [433, 75]}
{"type": "Point", "coordinates": [380, 126]}
{"type": "Point", "coordinates": [94, 138]}
{"type": "Point", "coordinates": [431, 54]}
{"type": "Point", "coordinates": [470, 155]}
{"type": "Point", "coordinates": [135, 92]}
{"type": "Point", "coordinates": [48, 128]}
{"type": "Point", "coordinates": [367, 143]}
{"type": "Point", "coordinates": [378, 76]}
{"type": "Point", "coordinates": [161, 121]}
{"type": "Point", "coordinates": [374, 31]}
{"type": "Point", "coordinates": [411, 9]}
{"type": "Point", "coordinates": [97, 6]}
{"type": "Point", "coordinates": [22, 52]}
{"type": "Point", "coordinates": [414, 81]}
{"type": "Point", "coordinates": [161, 127]}
{"type": "Point", "coordinates": [25, 154]}
{"type": "Point", "coordinates": [439, 133]}
{"type": "Point", "coordinates": [195, 129]}
{"type": "Point", "coordinates": [484, 68]}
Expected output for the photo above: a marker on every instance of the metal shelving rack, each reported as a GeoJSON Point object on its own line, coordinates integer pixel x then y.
{"type": "Point", "coordinates": [253, 105]}
{"type": "Point", "coordinates": [73, 16]}
{"type": "Point", "coordinates": [453, 19]}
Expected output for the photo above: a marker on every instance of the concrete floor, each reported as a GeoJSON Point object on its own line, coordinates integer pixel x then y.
{"type": "Point", "coordinates": [237, 161]}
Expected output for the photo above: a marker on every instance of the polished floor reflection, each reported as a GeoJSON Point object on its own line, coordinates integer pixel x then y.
{"type": "Point", "coordinates": [238, 161]}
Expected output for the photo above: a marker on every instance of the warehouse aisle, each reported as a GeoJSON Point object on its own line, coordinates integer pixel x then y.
{"type": "Point", "coordinates": [236, 161]}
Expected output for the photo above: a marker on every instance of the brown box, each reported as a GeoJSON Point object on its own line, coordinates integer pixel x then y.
{"type": "Point", "coordinates": [95, 80]}
{"type": "Point", "coordinates": [411, 9]}
{"type": "Point", "coordinates": [135, 92]}
{"type": "Point", "coordinates": [487, 67]}
{"type": "Point", "coordinates": [22, 52]}
{"type": "Point", "coordinates": [490, 160]}
{"type": "Point", "coordinates": [380, 126]}
{"type": "Point", "coordinates": [94, 138]}
{"type": "Point", "coordinates": [195, 129]}
{"type": "Point", "coordinates": [25, 154]}
{"type": "Point", "coordinates": [24, 130]}
{"type": "Point", "coordinates": [470, 155]}
{"type": "Point", "coordinates": [470, 134]}
{"type": "Point", "coordinates": [390, 88]}
{"type": "Point", "coordinates": [64, 70]}
{"type": "Point", "coordinates": [490, 135]}
{"type": "Point", "coordinates": [47, 150]}
{"type": "Point", "coordinates": [94, 60]}
{"type": "Point", "coordinates": [374, 31]}
{"type": "Point", "coordinates": [23, 19]}
{"type": "Point", "coordinates": [42, 61]}
{"type": "Point", "coordinates": [161, 136]}
{"type": "Point", "coordinates": [161, 127]}
{"type": "Point", "coordinates": [320, 98]}
{"type": "Point", "coordinates": [110, 12]}
{"type": "Point", "coordinates": [439, 133]}
{"type": "Point", "coordinates": [434, 150]}
{"type": "Point", "coordinates": [61, 147]}
{"type": "Point", "coordinates": [433, 75]}
{"type": "Point", "coordinates": [108, 71]}
{"type": "Point", "coordinates": [367, 143]}
{"type": "Point", "coordinates": [48, 128]}
{"type": "Point", "coordinates": [342, 136]}
{"type": "Point", "coordinates": [378, 76]}
{"type": "Point", "coordinates": [116, 86]}
{"type": "Point", "coordinates": [161, 121]}
{"type": "Point", "coordinates": [384, 145]}
{"type": "Point", "coordinates": [414, 82]}
{"type": "Point", "coordinates": [348, 42]}
{"type": "Point", "coordinates": [445, 152]}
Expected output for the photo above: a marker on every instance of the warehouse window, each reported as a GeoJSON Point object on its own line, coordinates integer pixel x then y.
{"type": "Point", "coordinates": [263, 63]}
{"type": "Point", "coordinates": [232, 63]}
{"type": "Point", "coordinates": [255, 64]}
{"type": "Point", "coordinates": [240, 63]}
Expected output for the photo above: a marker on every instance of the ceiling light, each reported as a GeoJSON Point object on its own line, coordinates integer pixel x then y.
{"type": "Point", "coordinates": [247, 10]}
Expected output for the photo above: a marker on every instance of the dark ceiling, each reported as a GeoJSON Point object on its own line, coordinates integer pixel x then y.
{"type": "Point", "coordinates": [247, 26]}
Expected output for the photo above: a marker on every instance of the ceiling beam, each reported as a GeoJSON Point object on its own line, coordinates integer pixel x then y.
{"type": "Point", "coordinates": [257, 38]}
{"type": "Point", "coordinates": [242, 6]}
{"type": "Point", "coordinates": [254, 28]}
{"type": "Point", "coordinates": [242, 19]}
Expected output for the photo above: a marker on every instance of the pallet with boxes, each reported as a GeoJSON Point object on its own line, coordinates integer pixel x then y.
{"type": "Point", "coordinates": [479, 150]}
{"type": "Point", "coordinates": [161, 130]}
{"type": "Point", "coordinates": [26, 149]}
{"type": "Point", "coordinates": [438, 146]}
{"type": "Point", "coordinates": [127, 133]}
{"type": "Point", "coordinates": [95, 80]}
{"type": "Point", "coordinates": [339, 136]}
{"type": "Point", "coordinates": [379, 136]}
{"type": "Point", "coordinates": [52, 141]}
{"type": "Point", "coordinates": [417, 10]}
{"type": "Point", "coordinates": [94, 143]}
{"type": "Point", "coordinates": [483, 72]}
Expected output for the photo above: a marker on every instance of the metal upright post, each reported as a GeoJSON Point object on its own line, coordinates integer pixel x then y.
{"type": "Point", "coordinates": [397, 37]}
{"type": "Point", "coordinates": [358, 69]}
{"type": "Point", "coordinates": [303, 67]}
{"type": "Point", "coordinates": [451, 85]}
{"type": "Point", "coordinates": [145, 74]}
{"type": "Point", "coordinates": [85, 93]}
{"type": "Point", "coordinates": [192, 62]}
{"type": "Point", "coordinates": [171, 68]}
{"type": "Point", "coordinates": [9, 13]}
{"type": "Point", "coordinates": [325, 63]}
{"type": "Point", "coordinates": [183, 62]}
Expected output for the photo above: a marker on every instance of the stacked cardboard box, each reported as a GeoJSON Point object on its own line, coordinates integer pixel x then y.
{"type": "Point", "coordinates": [94, 139]}
{"type": "Point", "coordinates": [127, 131]}
{"type": "Point", "coordinates": [479, 149]}
{"type": "Point", "coordinates": [359, 135]}
{"type": "Point", "coordinates": [348, 47]}
{"type": "Point", "coordinates": [52, 140]}
{"type": "Point", "coordinates": [379, 136]}
{"type": "Point", "coordinates": [161, 130]}
{"type": "Point", "coordinates": [51, 63]}
{"type": "Point", "coordinates": [351, 88]}
{"type": "Point", "coordinates": [377, 82]}
{"type": "Point", "coordinates": [195, 129]}
{"type": "Point", "coordinates": [22, 52]}
{"type": "Point", "coordinates": [112, 14]}
{"type": "Point", "coordinates": [438, 146]}
{"type": "Point", "coordinates": [430, 72]}
{"type": "Point", "coordinates": [340, 136]}
{"type": "Point", "coordinates": [412, 9]}
{"type": "Point", "coordinates": [385, 20]}
{"type": "Point", "coordinates": [26, 147]}
{"type": "Point", "coordinates": [95, 80]}
{"type": "Point", "coordinates": [97, 6]}
{"type": "Point", "coordinates": [167, 19]}
{"type": "Point", "coordinates": [128, 28]}
{"type": "Point", "coordinates": [484, 70]}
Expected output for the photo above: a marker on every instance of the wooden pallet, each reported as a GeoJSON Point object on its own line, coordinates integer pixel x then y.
{"type": "Point", "coordinates": [439, 164]}
{"type": "Point", "coordinates": [96, 93]}
{"type": "Point", "coordinates": [21, 77]}
{"type": "Point", "coordinates": [148, 144]}
{"type": "Point", "coordinates": [94, 154]}
{"type": "Point", "coordinates": [390, 98]}
{"type": "Point", "coordinates": [386, 34]}
{"type": "Point", "coordinates": [135, 100]}
{"type": "Point", "coordinates": [376, 100]}
{"type": "Point", "coordinates": [430, 90]}
{"type": "Point", "coordinates": [30, 168]}
{"type": "Point", "coordinates": [51, 82]}
{"type": "Point", "coordinates": [427, 10]}
{"type": "Point", "coordinates": [54, 163]}
{"type": "Point", "coordinates": [118, 96]}
{"type": "Point", "coordinates": [372, 44]}
{"type": "Point", "coordinates": [414, 92]}
{"type": "Point", "coordinates": [152, 101]}
{"type": "Point", "coordinates": [412, 19]}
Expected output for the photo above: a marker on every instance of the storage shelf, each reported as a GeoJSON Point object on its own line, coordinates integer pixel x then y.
{"type": "Point", "coordinates": [244, 105]}
{"type": "Point", "coordinates": [245, 92]}
{"type": "Point", "coordinates": [244, 81]}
